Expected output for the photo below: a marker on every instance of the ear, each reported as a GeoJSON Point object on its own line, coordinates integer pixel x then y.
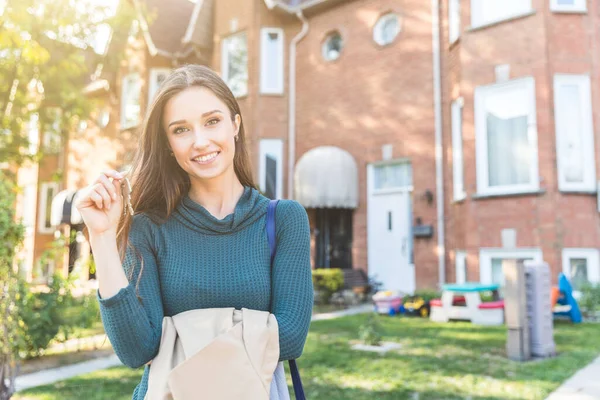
{"type": "Point", "coordinates": [237, 122]}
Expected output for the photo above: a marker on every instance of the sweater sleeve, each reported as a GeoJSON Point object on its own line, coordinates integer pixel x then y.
{"type": "Point", "coordinates": [292, 279]}
{"type": "Point", "coordinates": [134, 326]}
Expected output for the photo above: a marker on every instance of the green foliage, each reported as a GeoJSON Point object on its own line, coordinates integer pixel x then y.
{"type": "Point", "coordinates": [326, 282]}
{"type": "Point", "coordinates": [428, 294]}
{"type": "Point", "coordinates": [590, 299]}
{"type": "Point", "coordinates": [370, 332]}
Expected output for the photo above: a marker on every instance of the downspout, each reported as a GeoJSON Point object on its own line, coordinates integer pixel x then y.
{"type": "Point", "coordinates": [439, 166]}
{"type": "Point", "coordinates": [292, 103]}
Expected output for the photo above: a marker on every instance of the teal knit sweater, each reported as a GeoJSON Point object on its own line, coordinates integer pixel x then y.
{"type": "Point", "coordinates": [194, 260]}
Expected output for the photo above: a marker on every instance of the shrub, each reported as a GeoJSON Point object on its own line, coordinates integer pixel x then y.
{"type": "Point", "coordinates": [428, 294]}
{"type": "Point", "coordinates": [590, 299]}
{"type": "Point", "coordinates": [326, 282]}
{"type": "Point", "coordinates": [370, 332]}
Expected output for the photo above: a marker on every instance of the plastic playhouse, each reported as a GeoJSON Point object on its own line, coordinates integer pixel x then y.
{"type": "Point", "coordinates": [463, 302]}
{"type": "Point", "coordinates": [388, 302]}
{"type": "Point", "coordinates": [563, 302]}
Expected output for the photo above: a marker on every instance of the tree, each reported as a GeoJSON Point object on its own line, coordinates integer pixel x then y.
{"type": "Point", "coordinates": [47, 56]}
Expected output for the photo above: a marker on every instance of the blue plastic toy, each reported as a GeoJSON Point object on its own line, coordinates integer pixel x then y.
{"type": "Point", "coordinates": [567, 299]}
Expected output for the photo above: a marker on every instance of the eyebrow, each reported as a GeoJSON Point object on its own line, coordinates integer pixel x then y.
{"type": "Point", "coordinates": [206, 114]}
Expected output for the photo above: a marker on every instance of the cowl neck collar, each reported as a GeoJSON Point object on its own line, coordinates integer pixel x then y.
{"type": "Point", "coordinates": [251, 206]}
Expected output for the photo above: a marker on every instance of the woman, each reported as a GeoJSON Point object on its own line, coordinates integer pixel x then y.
{"type": "Point", "coordinates": [197, 239]}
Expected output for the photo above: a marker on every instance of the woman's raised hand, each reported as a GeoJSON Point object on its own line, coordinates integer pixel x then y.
{"type": "Point", "coordinates": [101, 203]}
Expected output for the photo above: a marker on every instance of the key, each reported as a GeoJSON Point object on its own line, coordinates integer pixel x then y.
{"type": "Point", "coordinates": [126, 190]}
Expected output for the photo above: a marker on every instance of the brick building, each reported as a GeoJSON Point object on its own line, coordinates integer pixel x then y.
{"type": "Point", "coordinates": [427, 140]}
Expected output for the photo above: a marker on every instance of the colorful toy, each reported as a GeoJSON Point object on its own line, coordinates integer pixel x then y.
{"type": "Point", "coordinates": [387, 302]}
{"type": "Point", "coordinates": [563, 302]}
{"type": "Point", "coordinates": [415, 305]}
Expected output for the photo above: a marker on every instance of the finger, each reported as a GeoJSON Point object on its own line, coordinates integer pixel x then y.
{"type": "Point", "coordinates": [111, 173]}
{"type": "Point", "coordinates": [96, 198]}
{"type": "Point", "coordinates": [108, 186]}
{"type": "Point", "coordinates": [101, 190]}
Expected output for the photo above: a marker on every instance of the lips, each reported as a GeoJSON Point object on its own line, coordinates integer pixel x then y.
{"type": "Point", "coordinates": [206, 158]}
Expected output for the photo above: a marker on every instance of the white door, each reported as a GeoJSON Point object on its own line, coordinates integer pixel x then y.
{"type": "Point", "coordinates": [389, 241]}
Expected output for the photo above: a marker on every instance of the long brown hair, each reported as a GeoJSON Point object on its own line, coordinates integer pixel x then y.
{"type": "Point", "coordinates": [158, 182]}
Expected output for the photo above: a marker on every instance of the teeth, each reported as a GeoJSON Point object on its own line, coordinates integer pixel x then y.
{"type": "Point", "coordinates": [207, 157]}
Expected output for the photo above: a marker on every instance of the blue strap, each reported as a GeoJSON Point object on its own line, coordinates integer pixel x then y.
{"type": "Point", "coordinates": [298, 389]}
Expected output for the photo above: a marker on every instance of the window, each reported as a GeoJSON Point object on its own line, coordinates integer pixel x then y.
{"type": "Point", "coordinates": [52, 137]}
{"type": "Point", "coordinates": [484, 12]}
{"type": "Point", "coordinates": [581, 266]}
{"type": "Point", "coordinates": [28, 210]}
{"type": "Point", "coordinates": [271, 168]}
{"type": "Point", "coordinates": [574, 133]}
{"type": "Point", "coordinates": [157, 76]}
{"type": "Point", "coordinates": [506, 135]}
{"type": "Point", "coordinates": [453, 20]}
{"type": "Point", "coordinates": [271, 61]}
{"type": "Point", "coordinates": [568, 5]}
{"type": "Point", "coordinates": [234, 63]}
{"type": "Point", "coordinates": [47, 192]}
{"type": "Point", "coordinates": [457, 151]}
{"type": "Point", "coordinates": [393, 176]}
{"type": "Point", "coordinates": [130, 101]}
{"type": "Point", "coordinates": [490, 262]}
{"type": "Point", "coordinates": [386, 29]}
{"type": "Point", "coordinates": [461, 266]}
{"type": "Point", "coordinates": [332, 47]}
{"type": "Point", "coordinates": [33, 133]}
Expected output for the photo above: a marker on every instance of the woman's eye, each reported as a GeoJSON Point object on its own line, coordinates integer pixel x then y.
{"type": "Point", "coordinates": [213, 121]}
{"type": "Point", "coordinates": [179, 130]}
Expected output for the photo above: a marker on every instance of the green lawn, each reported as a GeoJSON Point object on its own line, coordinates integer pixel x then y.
{"type": "Point", "coordinates": [437, 361]}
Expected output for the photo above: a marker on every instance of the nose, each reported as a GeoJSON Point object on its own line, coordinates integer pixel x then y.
{"type": "Point", "coordinates": [201, 139]}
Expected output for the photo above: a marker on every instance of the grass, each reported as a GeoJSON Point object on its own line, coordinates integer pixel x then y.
{"type": "Point", "coordinates": [436, 361]}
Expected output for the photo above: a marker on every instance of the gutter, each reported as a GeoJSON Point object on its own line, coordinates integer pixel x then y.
{"type": "Point", "coordinates": [439, 166]}
{"type": "Point", "coordinates": [292, 84]}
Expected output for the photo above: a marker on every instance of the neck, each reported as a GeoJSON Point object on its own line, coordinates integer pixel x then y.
{"type": "Point", "coordinates": [219, 196]}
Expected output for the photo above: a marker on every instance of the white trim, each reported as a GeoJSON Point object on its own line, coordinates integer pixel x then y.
{"type": "Point", "coordinates": [153, 84]}
{"type": "Point", "coordinates": [458, 175]}
{"type": "Point", "coordinates": [481, 93]}
{"type": "Point", "coordinates": [460, 263]}
{"type": "Point", "coordinates": [578, 6]}
{"type": "Point", "coordinates": [593, 262]}
{"type": "Point", "coordinates": [225, 61]}
{"type": "Point", "coordinates": [274, 148]}
{"type": "Point", "coordinates": [124, 90]}
{"type": "Point", "coordinates": [192, 24]}
{"type": "Point", "coordinates": [44, 188]}
{"type": "Point", "coordinates": [478, 20]}
{"type": "Point", "coordinates": [265, 63]}
{"type": "Point", "coordinates": [564, 128]}
{"type": "Point", "coordinates": [487, 254]}
{"type": "Point", "coordinates": [454, 20]}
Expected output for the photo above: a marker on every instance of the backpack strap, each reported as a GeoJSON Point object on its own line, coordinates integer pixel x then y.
{"type": "Point", "coordinates": [270, 226]}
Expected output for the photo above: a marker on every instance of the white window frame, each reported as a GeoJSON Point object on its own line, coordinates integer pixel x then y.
{"type": "Point", "coordinates": [578, 6]}
{"type": "Point", "coordinates": [225, 62]}
{"type": "Point", "coordinates": [477, 13]}
{"type": "Point", "coordinates": [458, 174]}
{"type": "Point", "coordinates": [153, 83]}
{"type": "Point", "coordinates": [44, 188]}
{"type": "Point", "coordinates": [453, 20]}
{"type": "Point", "coordinates": [486, 256]}
{"type": "Point", "coordinates": [377, 29]}
{"type": "Point", "coordinates": [460, 266]}
{"type": "Point", "coordinates": [264, 62]}
{"type": "Point", "coordinates": [586, 119]}
{"type": "Point", "coordinates": [593, 262]}
{"type": "Point", "coordinates": [124, 90]}
{"type": "Point", "coordinates": [481, 92]}
{"type": "Point", "coordinates": [273, 147]}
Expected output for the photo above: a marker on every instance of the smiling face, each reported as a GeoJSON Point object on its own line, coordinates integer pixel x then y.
{"type": "Point", "coordinates": [201, 133]}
